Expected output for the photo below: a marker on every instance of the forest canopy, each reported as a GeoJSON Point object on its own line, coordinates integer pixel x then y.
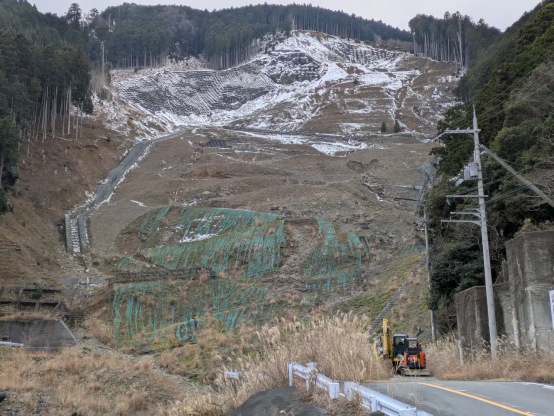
{"type": "Point", "coordinates": [511, 86]}
{"type": "Point", "coordinates": [44, 69]}
{"type": "Point", "coordinates": [137, 35]}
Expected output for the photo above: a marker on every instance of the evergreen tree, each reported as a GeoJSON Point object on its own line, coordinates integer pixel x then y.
{"type": "Point", "coordinates": [397, 128]}
{"type": "Point", "coordinates": [9, 141]}
{"type": "Point", "coordinates": [44, 67]}
{"type": "Point", "coordinates": [383, 127]}
{"type": "Point", "coordinates": [73, 16]}
{"type": "Point", "coordinates": [512, 87]}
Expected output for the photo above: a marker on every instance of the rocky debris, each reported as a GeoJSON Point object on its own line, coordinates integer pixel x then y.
{"type": "Point", "coordinates": [287, 67]}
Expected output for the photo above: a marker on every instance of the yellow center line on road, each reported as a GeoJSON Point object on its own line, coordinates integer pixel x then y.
{"type": "Point", "coordinates": [479, 398]}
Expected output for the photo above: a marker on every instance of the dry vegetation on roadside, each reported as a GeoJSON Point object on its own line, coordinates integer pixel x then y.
{"type": "Point", "coordinates": [339, 345]}
{"type": "Point", "coordinates": [512, 364]}
{"type": "Point", "coordinates": [71, 382]}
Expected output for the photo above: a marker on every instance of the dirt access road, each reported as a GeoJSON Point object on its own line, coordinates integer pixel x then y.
{"type": "Point", "coordinates": [76, 220]}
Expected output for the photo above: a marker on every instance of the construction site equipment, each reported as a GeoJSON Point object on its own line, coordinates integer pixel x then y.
{"type": "Point", "coordinates": [406, 354]}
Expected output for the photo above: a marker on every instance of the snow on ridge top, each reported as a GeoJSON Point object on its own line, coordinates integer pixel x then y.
{"type": "Point", "coordinates": [286, 87]}
{"type": "Point", "coordinates": [327, 48]}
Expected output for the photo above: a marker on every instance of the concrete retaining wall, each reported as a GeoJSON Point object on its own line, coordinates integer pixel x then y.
{"type": "Point", "coordinates": [473, 317]}
{"type": "Point", "coordinates": [531, 276]}
{"type": "Point", "coordinates": [522, 305]}
{"type": "Point", "coordinates": [38, 334]}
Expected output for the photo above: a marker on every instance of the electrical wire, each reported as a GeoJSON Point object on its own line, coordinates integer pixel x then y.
{"type": "Point", "coordinates": [462, 118]}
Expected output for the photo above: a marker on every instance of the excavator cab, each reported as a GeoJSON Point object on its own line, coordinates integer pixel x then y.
{"type": "Point", "coordinates": [399, 345]}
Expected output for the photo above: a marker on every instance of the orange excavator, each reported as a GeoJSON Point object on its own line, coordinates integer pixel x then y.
{"type": "Point", "coordinates": [406, 354]}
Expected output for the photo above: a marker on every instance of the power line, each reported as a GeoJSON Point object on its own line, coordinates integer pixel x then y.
{"type": "Point", "coordinates": [521, 79]}
{"type": "Point", "coordinates": [524, 96]}
{"type": "Point", "coordinates": [462, 118]}
{"type": "Point", "coordinates": [529, 93]}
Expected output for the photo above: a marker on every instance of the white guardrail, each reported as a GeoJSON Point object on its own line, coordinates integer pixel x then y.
{"type": "Point", "coordinates": [10, 344]}
{"type": "Point", "coordinates": [370, 399]}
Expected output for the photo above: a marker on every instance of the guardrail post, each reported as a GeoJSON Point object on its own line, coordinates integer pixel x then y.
{"type": "Point", "coordinates": [334, 390]}
{"type": "Point", "coordinates": [290, 374]}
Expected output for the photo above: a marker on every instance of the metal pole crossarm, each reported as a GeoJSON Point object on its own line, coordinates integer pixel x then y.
{"type": "Point", "coordinates": [470, 221]}
{"type": "Point", "coordinates": [467, 196]}
{"type": "Point", "coordinates": [458, 131]}
{"type": "Point", "coordinates": [416, 187]}
{"type": "Point", "coordinates": [466, 213]}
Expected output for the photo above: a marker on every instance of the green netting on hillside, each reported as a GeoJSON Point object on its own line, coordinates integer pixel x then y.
{"type": "Point", "coordinates": [336, 261]}
{"type": "Point", "coordinates": [224, 240]}
{"type": "Point", "coordinates": [333, 255]}
{"type": "Point", "coordinates": [414, 248]}
{"type": "Point", "coordinates": [327, 284]}
{"type": "Point", "coordinates": [124, 262]}
{"type": "Point", "coordinates": [139, 309]}
{"type": "Point", "coordinates": [152, 221]}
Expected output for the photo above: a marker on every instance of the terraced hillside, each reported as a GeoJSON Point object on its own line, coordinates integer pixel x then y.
{"type": "Point", "coordinates": [308, 81]}
{"type": "Point", "coordinates": [277, 199]}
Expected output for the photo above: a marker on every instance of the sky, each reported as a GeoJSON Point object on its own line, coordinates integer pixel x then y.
{"type": "Point", "coordinates": [498, 13]}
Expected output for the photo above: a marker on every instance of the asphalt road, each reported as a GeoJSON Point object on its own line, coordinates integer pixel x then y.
{"type": "Point", "coordinates": [471, 398]}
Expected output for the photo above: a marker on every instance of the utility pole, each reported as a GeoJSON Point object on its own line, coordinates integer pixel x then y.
{"type": "Point", "coordinates": [433, 330]}
{"type": "Point", "coordinates": [482, 222]}
{"type": "Point", "coordinates": [485, 237]}
{"type": "Point", "coordinates": [431, 312]}
{"type": "Point", "coordinates": [103, 79]}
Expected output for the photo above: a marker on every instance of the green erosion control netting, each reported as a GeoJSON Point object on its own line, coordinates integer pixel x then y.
{"type": "Point", "coordinates": [152, 221]}
{"type": "Point", "coordinates": [124, 262]}
{"type": "Point", "coordinates": [221, 239]}
{"type": "Point", "coordinates": [337, 260]}
{"type": "Point", "coordinates": [231, 241]}
{"type": "Point", "coordinates": [143, 308]}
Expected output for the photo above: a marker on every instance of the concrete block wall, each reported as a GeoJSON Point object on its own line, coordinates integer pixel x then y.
{"type": "Point", "coordinates": [522, 305]}
{"type": "Point", "coordinates": [531, 276]}
{"type": "Point", "coordinates": [473, 317]}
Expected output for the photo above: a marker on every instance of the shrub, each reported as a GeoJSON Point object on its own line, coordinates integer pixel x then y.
{"type": "Point", "coordinates": [3, 200]}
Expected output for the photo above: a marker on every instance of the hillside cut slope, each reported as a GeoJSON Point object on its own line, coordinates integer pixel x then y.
{"type": "Point", "coordinates": [308, 81]}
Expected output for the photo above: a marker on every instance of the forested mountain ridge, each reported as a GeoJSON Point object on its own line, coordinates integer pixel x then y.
{"type": "Point", "coordinates": [512, 89]}
{"type": "Point", "coordinates": [44, 71]}
{"type": "Point", "coordinates": [138, 35]}
{"type": "Point", "coordinates": [454, 38]}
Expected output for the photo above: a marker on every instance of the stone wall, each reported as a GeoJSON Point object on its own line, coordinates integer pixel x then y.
{"type": "Point", "coordinates": [162, 274]}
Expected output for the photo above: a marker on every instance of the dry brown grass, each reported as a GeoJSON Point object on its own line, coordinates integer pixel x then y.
{"type": "Point", "coordinates": [204, 277]}
{"type": "Point", "coordinates": [338, 344]}
{"type": "Point", "coordinates": [70, 381]}
{"type": "Point", "coordinates": [101, 331]}
{"type": "Point", "coordinates": [27, 316]}
{"type": "Point", "coordinates": [512, 364]}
